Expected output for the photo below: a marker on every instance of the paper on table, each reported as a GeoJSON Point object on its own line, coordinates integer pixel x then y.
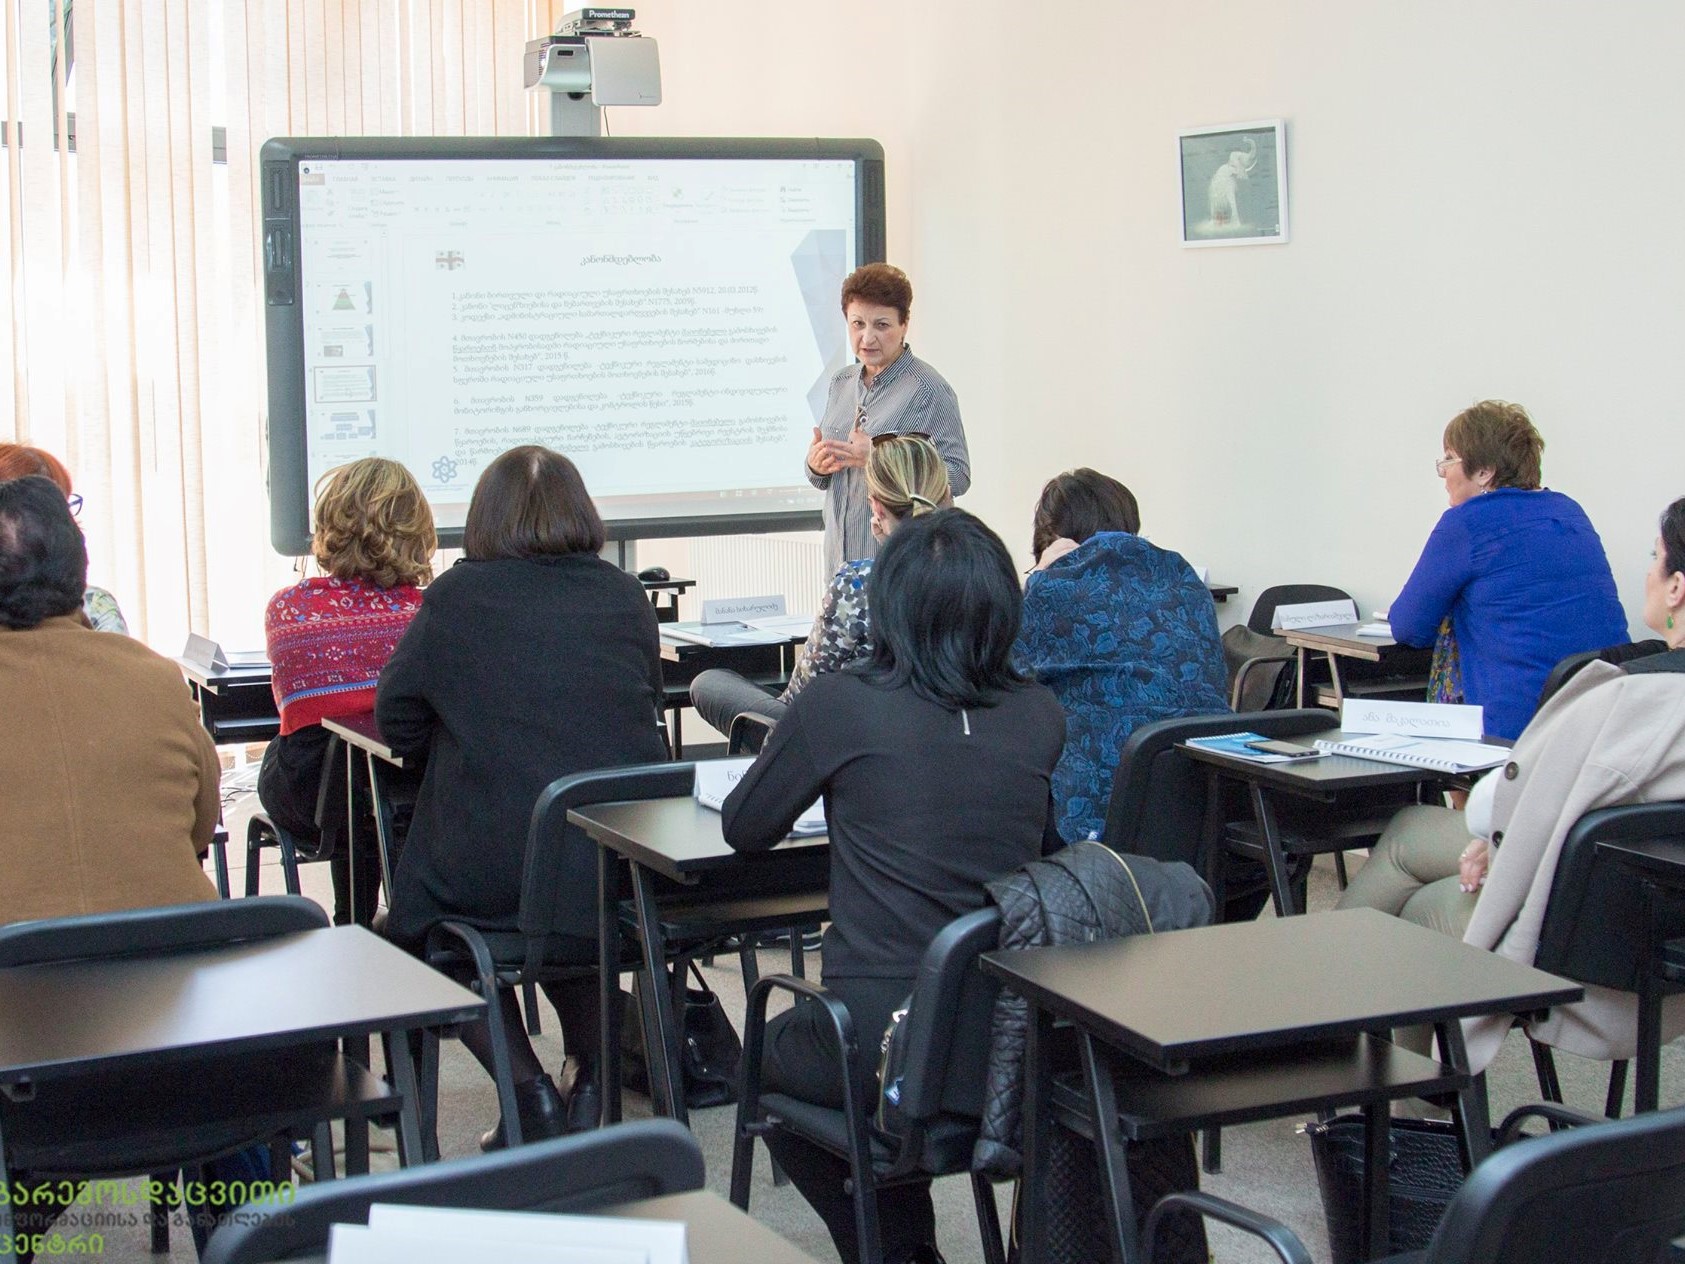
{"type": "Point", "coordinates": [1235, 744]}
{"type": "Point", "coordinates": [720, 634]}
{"type": "Point", "coordinates": [1420, 752]}
{"type": "Point", "coordinates": [1418, 719]}
{"type": "Point", "coordinates": [1380, 628]}
{"type": "Point", "coordinates": [363, 1244]}
{"type": "Point", "coordinates": [657, 1241]}
{"type": "Point", "coordinates": [789, 624]}
{"type": "Point", "coordinates": [716, 778]}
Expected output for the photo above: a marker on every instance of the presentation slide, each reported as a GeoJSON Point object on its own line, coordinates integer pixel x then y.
{"type": "Point", "coordinates": [671, 323]}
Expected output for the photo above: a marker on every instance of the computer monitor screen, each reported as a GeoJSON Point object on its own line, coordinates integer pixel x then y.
{"type": "Point", "coordinates": [664, 312]}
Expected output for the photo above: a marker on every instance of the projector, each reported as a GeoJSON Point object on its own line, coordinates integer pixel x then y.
{"type": "Point", "coordinates": [597, 22]}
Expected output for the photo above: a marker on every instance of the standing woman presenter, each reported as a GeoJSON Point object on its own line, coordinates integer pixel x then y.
{"type": "Point", "coordinates": [889, 391]}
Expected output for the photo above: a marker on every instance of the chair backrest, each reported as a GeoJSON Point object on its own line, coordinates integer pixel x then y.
{"type": "Point", "coordinates": [749, 730]}
{"type": "Point", "coordinates": [168, 928]}
{"type": "Point", "coordinates": [1594, 925]}
{"type": "Point", "coordinates": [1570, 667]}
{"type": "Point", "coordinates": [569, 1174]}
{"type": "Point", "coordinates": [1263, 610]}
{"type": "Point", "coordinates": [1158, 799]}
{"type": "Point", "coordinates": [952, 1014]}
{"type": "Point", "coordinates": [1604, 1193]}
{"type": "Point", "coordinates": [553, 899]}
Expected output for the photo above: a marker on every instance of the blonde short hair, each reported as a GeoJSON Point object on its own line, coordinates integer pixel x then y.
{"type": "Point", "coordinates": [905, 475]}
{"type": "Point", "coordinates": [374, 524]}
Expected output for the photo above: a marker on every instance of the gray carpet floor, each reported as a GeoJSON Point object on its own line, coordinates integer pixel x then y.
{"type": "Point", "coordinates": [1266, 1166]}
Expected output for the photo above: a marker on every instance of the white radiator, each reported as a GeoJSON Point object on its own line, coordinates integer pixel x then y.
{"type": "Point", "coordinates": [761, 565]}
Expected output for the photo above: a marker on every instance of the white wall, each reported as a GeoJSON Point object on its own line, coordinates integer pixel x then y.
{"type": "Point", "coordinates": [1485, 198]}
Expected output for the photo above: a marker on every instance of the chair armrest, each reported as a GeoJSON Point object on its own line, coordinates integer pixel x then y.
{"type": "Point", "coordinates": [1510, 1129]}
{"type": "Point", "coordinates": [1282, 1240]}
{"type": "Point", "coordinates": [842, 1022]}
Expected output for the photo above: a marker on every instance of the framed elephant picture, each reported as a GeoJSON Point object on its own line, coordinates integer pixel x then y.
{"type": "Point", "coordinates": [1234, 184]}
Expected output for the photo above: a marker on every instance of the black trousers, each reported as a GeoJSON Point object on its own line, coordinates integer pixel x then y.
{"type": "Point", "coordinates": [802, 1061]}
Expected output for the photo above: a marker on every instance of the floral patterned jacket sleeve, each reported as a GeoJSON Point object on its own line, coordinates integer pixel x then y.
{"type": "Point", "coordinates": [842, 633]}
{"type": "Point", "coordinates": [1123, 633]}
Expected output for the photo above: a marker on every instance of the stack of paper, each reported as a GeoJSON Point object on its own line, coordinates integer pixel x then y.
{"type": "Point", "coordinates": [425, 1235]}
{"type": "Point", "coordinates": [1417, 734]}
{"type": "Point", "coordinates": [716, 778]}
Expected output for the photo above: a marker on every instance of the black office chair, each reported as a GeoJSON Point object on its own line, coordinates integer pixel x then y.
{"type": "Point", "coordinates": [123, 1122]}
{"type": "Point", "coordinates": [551, 906]}
{"type": "Point", "coordinates": [1570, 667]}
{"type": "Point", "coordinates": [1261, 665]}
{"type": "Point", "coordinates": [1594, 928]}
{"type": "Point", "coordinates": [568, 1174]}
{"type": "Point", "coordinates": [941, 1104]}
{"type": "Point", "coordinates": [329, 816]}
{"type": "Point", "coordinates": [1604, 1193]}
{"type": "Point", "coordinates": [749, 731]}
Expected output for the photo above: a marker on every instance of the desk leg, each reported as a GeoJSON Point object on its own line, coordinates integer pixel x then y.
{"type": "Point", "coordinates": [1377, 1136]}
{"type": "Point", "coordinates": [608, 981]}
{"type": "Point", "coordinates": [1334, 677]}
{"type": "Point", "coordinates": [1474, 1119]}
{"type": "Point", "coordinates": [661, 1045]}
{"type": "Point", "coordinates": [1112, 1151]}
{"type": "Point", "coordinates": [402, 1066]}
{"type": "Point", "coordinates": [1037, 1119]}
{"type": "Point", "coordinates": [1646, 1091]}
{"type": "Point", "coordinates": [382, 822]}
{"type": "Point", "coordinates": [1211, 850]}
{"type": "Point", "coordinates": [1299, 676]}
{"type": "Point", "coordinates": [351, 828]}
{"type": "Point", "coordinates": [1275, 860]}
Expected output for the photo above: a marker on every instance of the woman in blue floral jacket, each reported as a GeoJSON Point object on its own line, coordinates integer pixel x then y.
{"type": "Point", "coordinates": [1123, 632]}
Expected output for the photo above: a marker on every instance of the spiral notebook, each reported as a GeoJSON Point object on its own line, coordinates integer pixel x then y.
{"type": "Point", "coordinates": [1437, 754]}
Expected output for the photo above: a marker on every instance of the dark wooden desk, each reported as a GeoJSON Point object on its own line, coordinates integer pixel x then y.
{"type": "Point", "coordinates": [116, 1015]}
{"type": "Point", "coordinates": [1321, 780]}
{"type": "Point", "coordinates": [1659, 864]}
{"type": "Point", "coordinates": [672, 851]}
{"type": "Point", "coordinates": [1342, 641]}
{"type": "Point", "coordinates": [715, 1231]}
{"type": "Point", "coordinates": [1275, 1016]}
{"type": "Point", "coordinates": [236, 704]}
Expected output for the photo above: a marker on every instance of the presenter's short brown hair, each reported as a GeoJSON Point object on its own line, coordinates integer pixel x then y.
{"type": "Point", "coordinates": [373, 523]}
{"type": "Point", "coordinates": [531, 502]}
{"type": "Point", "coordinates": [1498, 436]}
{"type": "Point", "coordinates": [881, 284]}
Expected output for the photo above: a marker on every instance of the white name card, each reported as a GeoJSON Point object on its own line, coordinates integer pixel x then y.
{"type": "Point", "coordinates": [1314, 614]}
{"type": "Point", "coordinates": [1413, 719]}
{"type": "Point", "coordinates": [716, 778]}
{"type": "Point", "coordinates": [203, 652]}
{"type": "Point", "coordinates": [741, 609]}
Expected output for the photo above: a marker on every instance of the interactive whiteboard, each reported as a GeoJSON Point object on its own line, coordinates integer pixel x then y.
{"type": "Point", "coordinates": [664, 312]}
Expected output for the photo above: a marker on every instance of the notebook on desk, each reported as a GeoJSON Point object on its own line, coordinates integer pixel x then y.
{"type": "Point", "coordinates": [716, 778]}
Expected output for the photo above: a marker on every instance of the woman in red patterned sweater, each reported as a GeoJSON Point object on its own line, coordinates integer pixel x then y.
{"type": "Point", "coordinates": [330, 635]}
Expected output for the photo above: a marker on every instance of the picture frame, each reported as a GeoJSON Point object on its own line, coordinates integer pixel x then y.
{"type": "Point", "coordinates": [1233, 183]}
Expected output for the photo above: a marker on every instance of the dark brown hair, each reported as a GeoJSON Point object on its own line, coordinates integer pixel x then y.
{"type": "Point", "coordinates": [1673, 537]}
{"type": "Point", "coordinates": [1498, 436]}
{"type": "Point", "coordinates": [531, 502]}
{"type": "Point", "coordinates": [1081, 503]}
{"type": "Point", "coordinates": [881, 284]}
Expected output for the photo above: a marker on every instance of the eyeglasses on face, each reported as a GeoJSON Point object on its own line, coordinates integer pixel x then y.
{"type": "Point", "coordinates": [1444, 463]}
{"type": "Point", "coordinates": [75, 503]}
{"type": "Point", "coordinates": [905, 434]}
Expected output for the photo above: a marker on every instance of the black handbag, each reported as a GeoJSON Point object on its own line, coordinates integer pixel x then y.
{"type": "Point", "coordinates": [1424, 1169]}
{"type": "Point", "coordinates": [710, 1049]}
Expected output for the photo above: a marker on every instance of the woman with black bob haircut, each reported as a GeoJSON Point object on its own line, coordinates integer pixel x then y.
{"type": "Point", "coordinates": [529, 659]}
{"type": "Point", "coordinates": [935, 759]}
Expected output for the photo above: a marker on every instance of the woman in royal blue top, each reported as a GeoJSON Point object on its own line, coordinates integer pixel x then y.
{"type": "Point", "coordinates": [1518, 569]}
{"type": "Point", "coordinates": [1120, 630]}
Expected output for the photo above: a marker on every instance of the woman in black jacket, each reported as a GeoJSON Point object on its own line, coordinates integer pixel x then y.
{"type": "Point", "coordinates": [935, 759]}
{"type": "Point", "coordinates": [530, 659]}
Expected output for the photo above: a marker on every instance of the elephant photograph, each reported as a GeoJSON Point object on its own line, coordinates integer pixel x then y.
{"type": "Point", "coordinates": [1234, 185]}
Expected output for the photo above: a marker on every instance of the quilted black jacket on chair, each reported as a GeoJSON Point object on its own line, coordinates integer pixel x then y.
{"type": "Point", "coordinates": [1085, 893]}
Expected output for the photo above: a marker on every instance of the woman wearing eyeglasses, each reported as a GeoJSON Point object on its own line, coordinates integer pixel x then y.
{"type": "Point", "coordinates": [890, 391]}
{"type": "Point", "coordinates": [99, 607]}
{"type": "Point", "coordinates": [1516, 569]}
{"type": "Point", "coordinates": [905, 478]}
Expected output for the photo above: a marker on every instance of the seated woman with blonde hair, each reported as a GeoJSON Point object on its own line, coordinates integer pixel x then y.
{"type": "Point", "coordinates": [330, 635]}
{"type": "Point", "coordinates": [905, 478]}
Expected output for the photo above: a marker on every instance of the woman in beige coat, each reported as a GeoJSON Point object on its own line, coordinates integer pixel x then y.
{"type": "Point", "coordinates": [1612, 735]}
